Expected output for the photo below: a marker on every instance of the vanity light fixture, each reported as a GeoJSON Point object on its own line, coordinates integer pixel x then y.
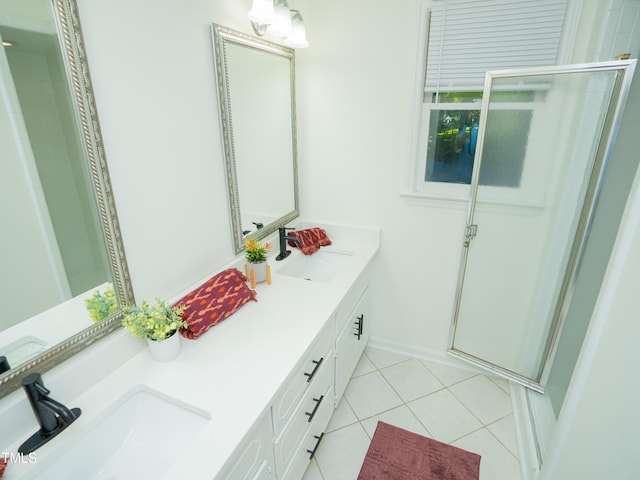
{"type": "Point", "coordinates": [275, 18]}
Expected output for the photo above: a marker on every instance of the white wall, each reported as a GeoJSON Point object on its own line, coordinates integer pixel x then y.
{"type": "Point", "coordinates": [153, 76]}
{"type": "Point", "coordinates": [355, 108]}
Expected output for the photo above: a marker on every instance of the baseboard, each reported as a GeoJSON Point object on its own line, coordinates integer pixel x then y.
{"type": "Point", "coordinates": [525, 433]}
{"type": "Point", "coordinates": [543, 419]}
{"type": "Point", "coordinates": [431, 355]}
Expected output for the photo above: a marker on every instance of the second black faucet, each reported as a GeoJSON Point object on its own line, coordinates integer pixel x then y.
{"type": "Point", "coordinates": [284, 253]}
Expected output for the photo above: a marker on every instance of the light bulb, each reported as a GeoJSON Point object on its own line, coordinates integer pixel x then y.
{"type": "Point", "coordinates": [261, 12]}
{"type": "Point", "coordinates": [281, 25]}
{"type": "Point", "coordinates": [298, 36]}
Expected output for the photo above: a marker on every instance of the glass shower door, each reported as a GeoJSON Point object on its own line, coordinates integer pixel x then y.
{"type": "Point", "coordinates": [544, 140]}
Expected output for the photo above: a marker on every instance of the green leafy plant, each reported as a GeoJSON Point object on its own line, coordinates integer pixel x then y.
{"type": "Point", "coordinates": [256, 252]}
{"type": "Point", "coordinates": [102, 305]}
{"type": "Point", "coordinates": [156, 322]}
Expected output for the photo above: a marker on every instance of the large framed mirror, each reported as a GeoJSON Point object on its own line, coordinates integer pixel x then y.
{"type": "Point", "coordinates": [256, 88]}
{"type": "Point", "coordinates": [61, 241]}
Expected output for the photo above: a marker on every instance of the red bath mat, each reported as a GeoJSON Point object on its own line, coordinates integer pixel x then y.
{"type": "Point", "coordinates": [397, 454]}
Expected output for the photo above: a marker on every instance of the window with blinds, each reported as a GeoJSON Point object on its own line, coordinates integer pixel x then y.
{"type": "Point", "coordinates": [469, 37]}
{"type": "Point", "coordinates": [466, 39]}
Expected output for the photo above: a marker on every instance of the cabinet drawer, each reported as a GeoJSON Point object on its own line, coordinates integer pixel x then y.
{"type": "Point", "coordinates": [315, 404]}
{"type": "Point", "coordinates": [304, 375]}
{"type": "Point", "coordinates": [310, 442]}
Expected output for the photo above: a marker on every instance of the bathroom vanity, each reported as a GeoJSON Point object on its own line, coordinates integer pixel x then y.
{"type": "Point", "coordinates": [289, 432]}
{"type": "Point", "coordinates": [256, 392]}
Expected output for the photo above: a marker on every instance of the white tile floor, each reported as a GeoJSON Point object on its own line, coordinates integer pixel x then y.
{"type": "Point", "coordinates": [459, 407]}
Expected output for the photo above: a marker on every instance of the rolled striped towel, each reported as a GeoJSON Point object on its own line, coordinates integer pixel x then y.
{"type": "Point", "coordinates": [218, 298]}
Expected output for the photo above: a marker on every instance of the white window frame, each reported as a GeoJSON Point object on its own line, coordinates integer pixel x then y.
{"type": "Point", "coordinates": [443, 194]}
{"type": "Point", "coordinates": [526, 194]}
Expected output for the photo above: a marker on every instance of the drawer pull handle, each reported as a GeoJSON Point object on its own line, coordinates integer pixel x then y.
{"type": "Point", "coordinates": [360, 324]}
{"type": "Point", "coordinates": [315, 369]}
{"type": "Point", "coordinates": [315, 409]}
{"type": "Point", "coordinates": [313, 452]}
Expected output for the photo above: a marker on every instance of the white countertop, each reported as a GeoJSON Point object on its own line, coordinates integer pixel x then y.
{"type": "Point", "coordinates": [234, 370]}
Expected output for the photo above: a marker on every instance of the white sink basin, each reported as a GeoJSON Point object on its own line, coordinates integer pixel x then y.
{"type": "Point", "coordinates": [137, 438]}
{"type": "Point", "coordinates": [321, 266]}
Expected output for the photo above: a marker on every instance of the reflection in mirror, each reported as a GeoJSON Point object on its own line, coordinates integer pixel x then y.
{"type": "Point", "coordinates": [256, 87]}
{"type": "Point", "coordinates": [63, 242]}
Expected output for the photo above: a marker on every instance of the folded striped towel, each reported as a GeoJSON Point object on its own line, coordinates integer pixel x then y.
{"type": "Point", "coordinates": [311, 240]}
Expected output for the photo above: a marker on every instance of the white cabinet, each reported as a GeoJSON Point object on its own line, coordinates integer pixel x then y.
{"type": "Point", "coordinates": [288, 435]}
{"type": "Point", "coordinates": [253, 459]}
{"type": "Point", "coordinates": [297, 444]}
{"type": "Point", "coordinates": [303, 406]}
{"type": "Point", "coordinates": [352, 339]}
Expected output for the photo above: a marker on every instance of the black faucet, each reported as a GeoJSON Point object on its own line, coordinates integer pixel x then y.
{"type": "Point", "coordinates": [284, 253]}
{"type": "Point", "coordinates": [52, 416]}
{"type": "Point", "coordinates": [4, 364]}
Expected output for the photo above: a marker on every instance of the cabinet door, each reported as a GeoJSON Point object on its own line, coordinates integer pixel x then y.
{"type": "Point", "coordinates": [263, 473]}
{"type": "Point", "coordinates": [253, 459]}
{"type": "Point", "coordinates": [351, 343]}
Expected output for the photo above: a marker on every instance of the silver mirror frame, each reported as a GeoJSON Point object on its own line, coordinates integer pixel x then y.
{"type": "Point", "coordinates": [72, 46]}
{"type": "Point", "coordinates": [222, 35]}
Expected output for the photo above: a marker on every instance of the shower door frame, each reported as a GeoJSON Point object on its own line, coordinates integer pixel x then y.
{"type": "Point", "coordinates": [602, 157]}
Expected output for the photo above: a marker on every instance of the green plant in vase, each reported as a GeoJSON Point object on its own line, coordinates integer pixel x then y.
{"type": "Point", "coordinates": [256, 268]}
{"type": "Point", "coordinates": [256, 252]}
{"type": "Point", "coordinates": [102, 305]}
{"type": "Point", "coordinates": [158, 321]}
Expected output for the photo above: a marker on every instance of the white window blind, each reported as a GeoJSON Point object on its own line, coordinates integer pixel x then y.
{"type": "Point", "coordinates": [469, 37]}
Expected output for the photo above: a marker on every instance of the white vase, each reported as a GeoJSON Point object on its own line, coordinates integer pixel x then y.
{"type": "Point", "coordinates": [165, 350]}
{"type": "Point", "coordinates": [259, 269]}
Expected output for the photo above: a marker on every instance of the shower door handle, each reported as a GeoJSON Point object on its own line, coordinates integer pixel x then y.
{"type": "Point", "coordinates": [470, 234]}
